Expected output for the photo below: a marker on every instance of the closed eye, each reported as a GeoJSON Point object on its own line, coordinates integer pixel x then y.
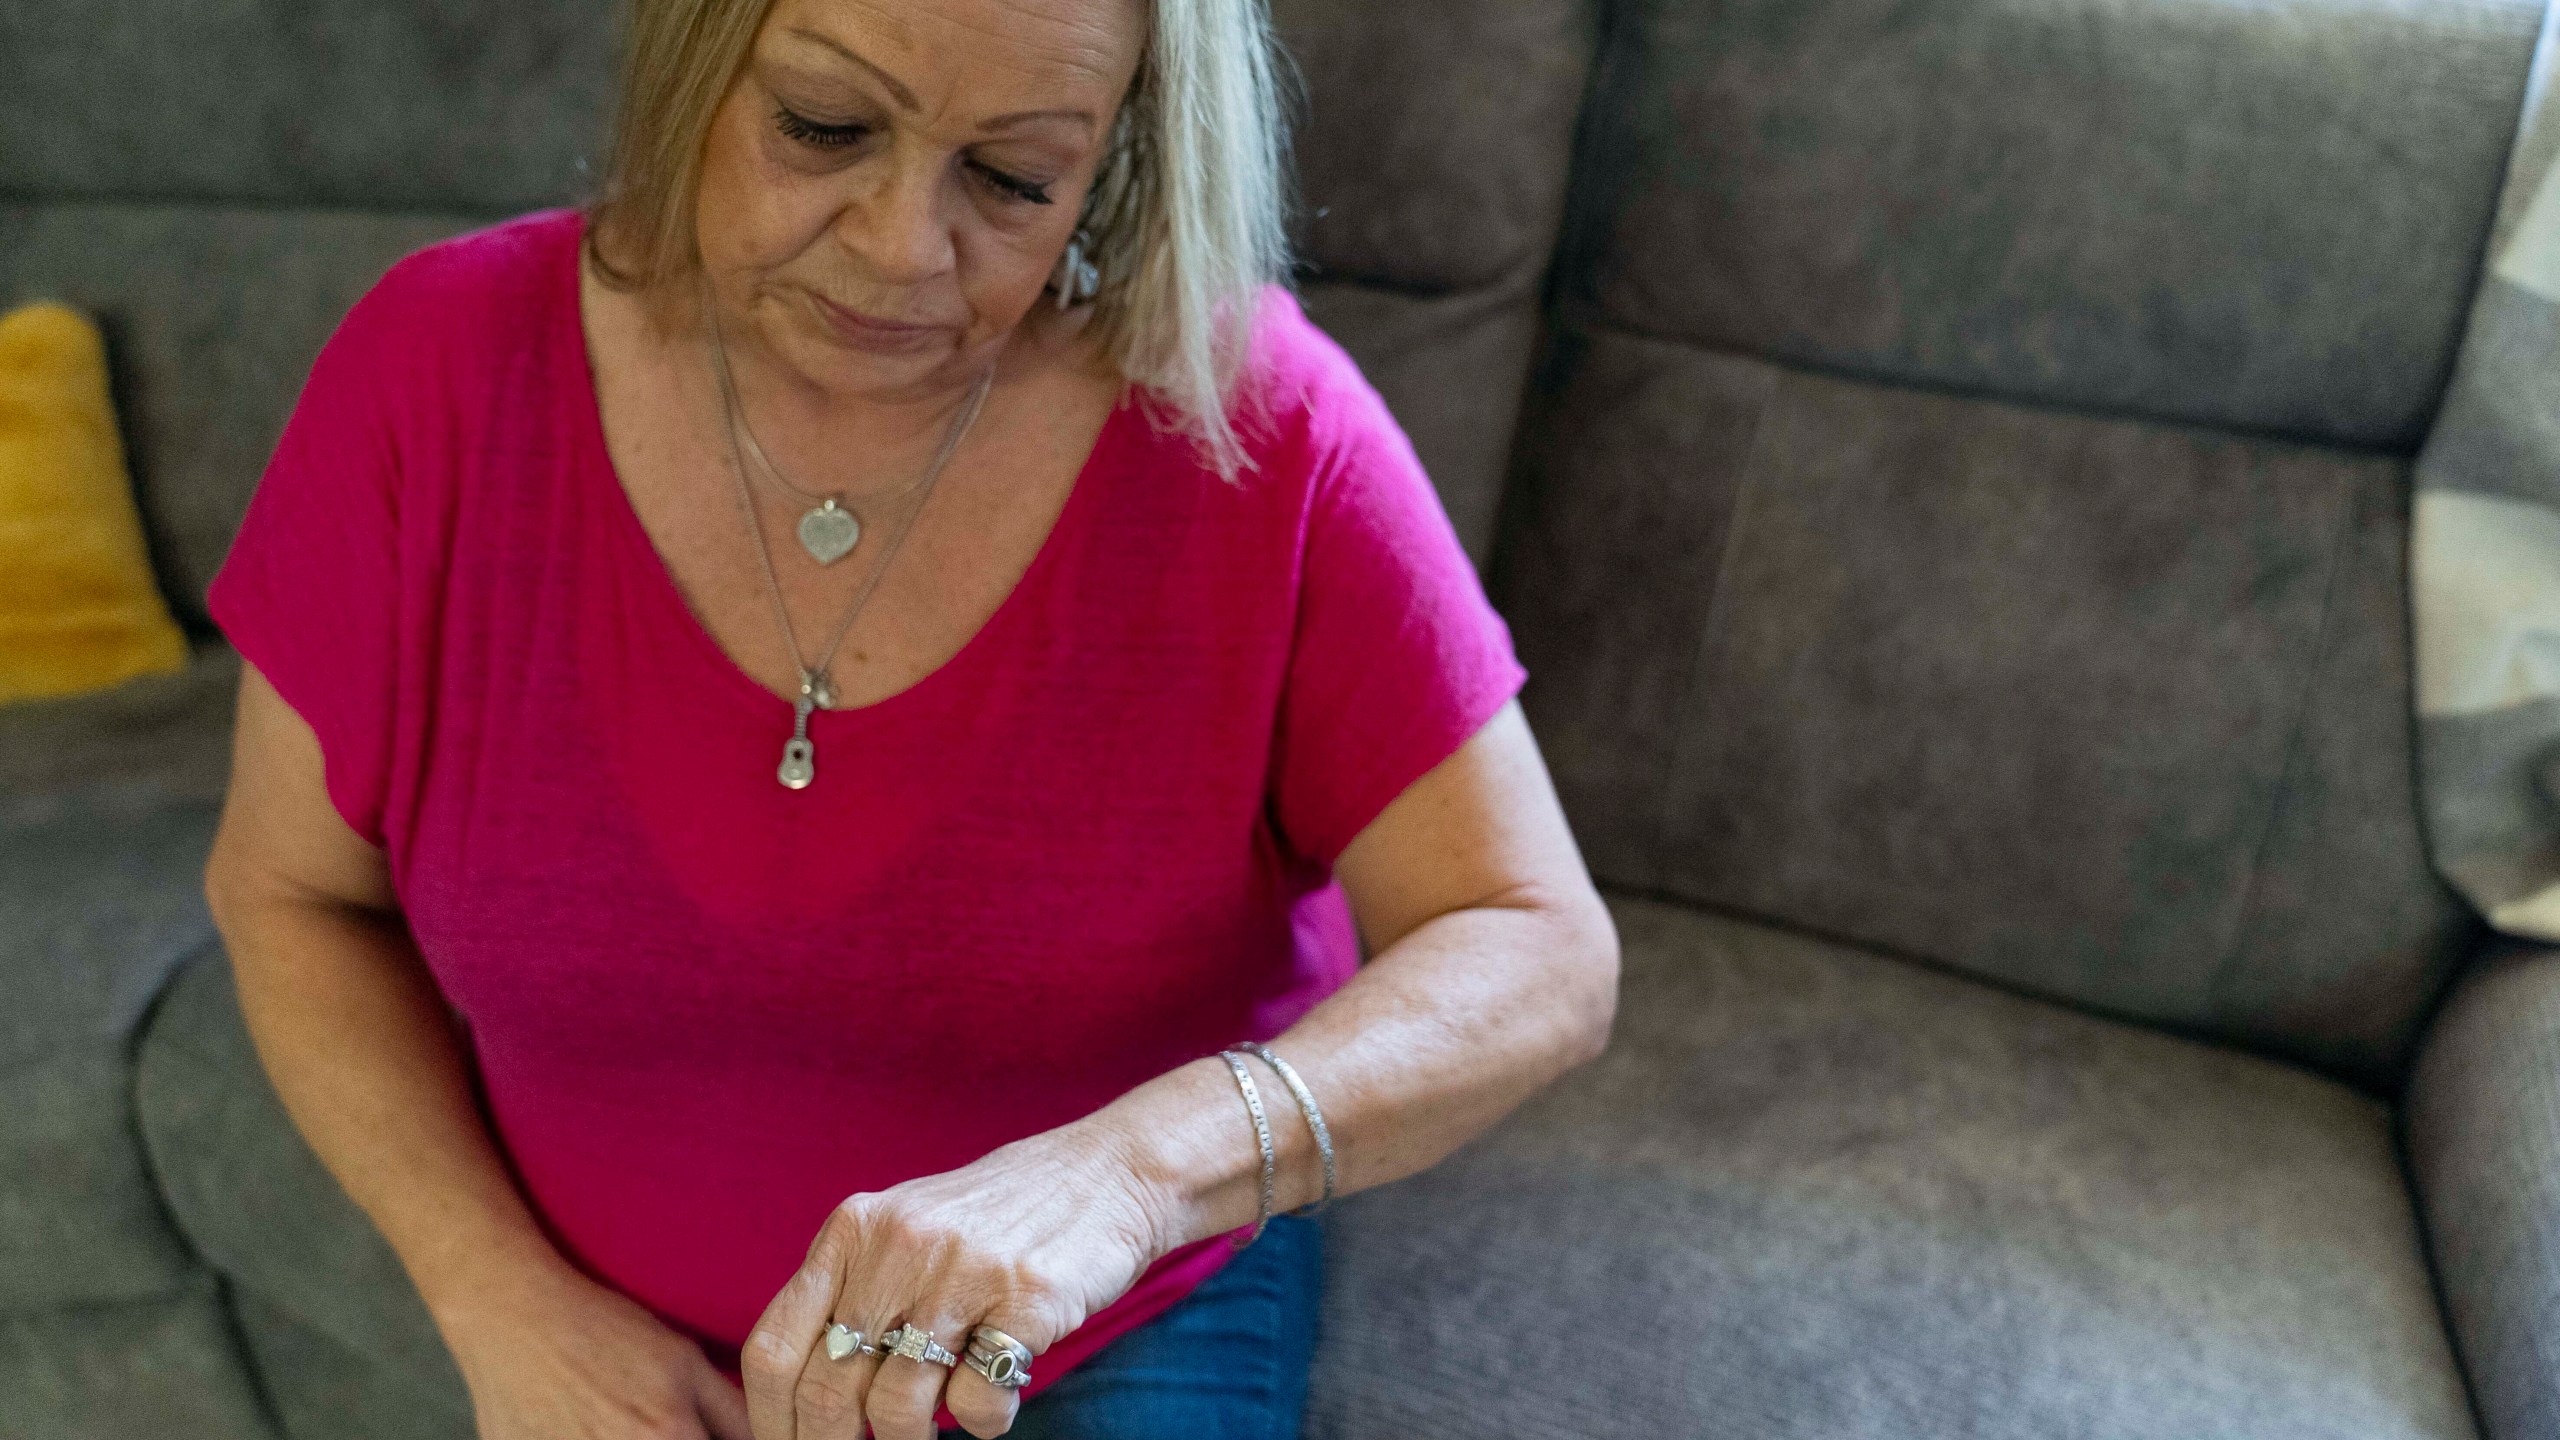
{"type": "Point", "coordinates": [835, 137]}
{"type": "Point", "coordinates": [809, 132]}
{"type": "Point", "coordinates": [1012, 186]}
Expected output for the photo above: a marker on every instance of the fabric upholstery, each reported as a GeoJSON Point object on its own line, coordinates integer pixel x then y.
{"type": "Point", "coordinates": [78, 609]}
{"type": "Point", "coordinates": [103, 891]}
{"type": "Point", "coordinates": [81, 1222]}
{"type": "Point", "coordinates": [476, 105]}
{"type": "Point", "coordinates": [103, 897]}
{"type": "Point", "coordinates": [1814, 1192]}
{"type": "Point", "coordinates": [2483, 1124]}
{"type": "Point", "coordinates": [156, 739]}
{"type": "Point", "coordinates": [255, 1201]}
{"type": "Point", "coordinates": [2485, 562]}
{"type": "Point", "coordinates": [166, 1366]}
{"type": "Point", "coordinates": [2262, 215]}
{"type": "Point", "coordinates": [1432, 157]}
{"type": "Point", "coordinates": [323, 1390]}
{"type": "Point", "coordinates": [2108, 710]}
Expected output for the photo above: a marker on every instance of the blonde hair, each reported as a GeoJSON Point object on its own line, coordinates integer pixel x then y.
{"type": "Point", "coordinates": [1188, 216]}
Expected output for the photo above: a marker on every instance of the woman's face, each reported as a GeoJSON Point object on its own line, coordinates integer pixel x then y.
{"type": "Point", "coordinates": [916, 163]}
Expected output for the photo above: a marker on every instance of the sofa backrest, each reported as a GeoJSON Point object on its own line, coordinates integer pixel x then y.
{"type": "Point", "coordinates": [1964, 499]}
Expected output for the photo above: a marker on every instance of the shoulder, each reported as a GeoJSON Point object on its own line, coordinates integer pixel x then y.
{"type": "Point", "coordinates": [1303, 406]}
{"type": "Point", "coordinates": [477, 286]}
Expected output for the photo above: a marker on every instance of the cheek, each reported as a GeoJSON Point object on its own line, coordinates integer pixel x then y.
{"type": "Point", "coordinates": [1004, 264]}
{"type": "Point", "coordinates": [749, 210]}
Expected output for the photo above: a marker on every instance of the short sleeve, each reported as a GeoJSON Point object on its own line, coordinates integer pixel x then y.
{"type": "Point", "coordinates": [1398, 656]}
{"type": "Point", "coordinates": [309, 592]}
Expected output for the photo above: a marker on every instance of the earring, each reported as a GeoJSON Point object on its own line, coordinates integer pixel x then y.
{"type": "Point", "coordinates": [1075, 279]}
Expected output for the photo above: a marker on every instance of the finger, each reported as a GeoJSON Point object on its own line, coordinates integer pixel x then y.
{"type": "Point", "coordinates": [776, 1351]}
{"type": "Point", "coordinates": [833, 1395]}
{"type": "Point", "coordinates": [905, 1393]}
{"type": "Point", "coordinates": [884, 1271]}
{"type": "Point", "coordinates": [721, 1404]}
{"type": "Point", "coordinates": [828, 1401]}
{"type": "Point", "coordinates": [984, 1408]}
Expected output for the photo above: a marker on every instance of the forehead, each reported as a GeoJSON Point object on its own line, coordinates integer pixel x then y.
{"type": "Point", "coordinates": [1061, 48]}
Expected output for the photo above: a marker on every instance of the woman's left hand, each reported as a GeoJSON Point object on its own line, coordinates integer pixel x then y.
{"type": "Point", "coordinates": [1031, 1239]}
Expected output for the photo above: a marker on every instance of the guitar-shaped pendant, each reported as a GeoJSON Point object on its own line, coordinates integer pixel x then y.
{"type": "Point", "coordinates": [799, 757]}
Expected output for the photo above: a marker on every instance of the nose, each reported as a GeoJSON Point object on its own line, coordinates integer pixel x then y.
{"type": "Point", "coordinates": [897, 224]}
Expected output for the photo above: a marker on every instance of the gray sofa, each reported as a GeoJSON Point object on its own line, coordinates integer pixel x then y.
{"type": "Point", "coordinates": [1946, 468]}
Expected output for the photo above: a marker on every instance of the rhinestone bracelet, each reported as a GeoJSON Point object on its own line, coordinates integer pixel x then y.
{"type": "Point", "coordinates": [1261, 1136]}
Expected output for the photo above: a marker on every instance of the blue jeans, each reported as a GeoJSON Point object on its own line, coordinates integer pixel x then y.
{"type": "Point", "coordinates": [1227, 1362]}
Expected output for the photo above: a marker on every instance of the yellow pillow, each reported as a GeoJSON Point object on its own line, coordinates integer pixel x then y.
{"type": "Point", "coordinates": [78, 610]}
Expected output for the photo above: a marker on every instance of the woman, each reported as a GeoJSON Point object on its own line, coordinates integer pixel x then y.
{"type": "Point", "coordinates": [798, 721]}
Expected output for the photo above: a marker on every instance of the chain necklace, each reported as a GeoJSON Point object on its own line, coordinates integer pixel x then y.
{"type": "Point", "coordinates": [827, 530]}
{"type": "Point", "coordinates": [799, 755]}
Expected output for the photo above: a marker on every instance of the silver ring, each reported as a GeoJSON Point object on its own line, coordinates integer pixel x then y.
{"type": "Point", "coordinates": [916, 1344]}
{"type": "Point", "coordinates": [843, 1340]}
{"type": "Point", "coordinates": [1005, 1361]}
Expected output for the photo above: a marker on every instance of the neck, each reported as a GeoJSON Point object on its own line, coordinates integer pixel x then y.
{"type": "Point", "coordinates": [784, 415]}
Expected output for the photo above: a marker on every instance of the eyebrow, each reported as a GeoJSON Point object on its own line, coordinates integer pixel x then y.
{"type": "Point", "coordinates": [906, 98]}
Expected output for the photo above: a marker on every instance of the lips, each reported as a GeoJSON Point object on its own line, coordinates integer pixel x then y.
{"type": "Point", "coordinates": [855, 325]}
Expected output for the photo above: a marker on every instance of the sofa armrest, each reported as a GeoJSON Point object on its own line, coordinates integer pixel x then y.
{"type": "Point", "coordinates": [2483, 1135]}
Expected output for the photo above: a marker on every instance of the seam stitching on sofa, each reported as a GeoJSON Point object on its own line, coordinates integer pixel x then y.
{"type": "Point", "coordinates": [1676, 796]}
{"type": "Point", "coordinates": [2227, 967]}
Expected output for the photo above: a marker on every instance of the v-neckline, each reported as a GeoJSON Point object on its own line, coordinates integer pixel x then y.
{"type": "Point", "coordinates": [595, 458]}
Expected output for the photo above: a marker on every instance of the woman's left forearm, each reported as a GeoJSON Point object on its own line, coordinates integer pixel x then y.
{"type": "Point", "coordinates": [1437, 1038]}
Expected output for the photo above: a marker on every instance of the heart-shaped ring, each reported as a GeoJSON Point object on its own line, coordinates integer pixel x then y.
{"type": "Point", "coordinates": [844, 1340]}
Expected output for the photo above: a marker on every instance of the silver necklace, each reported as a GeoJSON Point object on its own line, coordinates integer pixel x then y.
{"type": "Point", "coordinates": [827, 530]}
{"type": "Point", "coordinates": [799, 756]}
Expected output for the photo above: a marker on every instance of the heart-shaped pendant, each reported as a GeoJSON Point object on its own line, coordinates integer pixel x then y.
{"type": "Point", "coordinates": [828, 533]}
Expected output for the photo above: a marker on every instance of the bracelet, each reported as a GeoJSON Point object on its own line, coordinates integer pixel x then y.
{"type": "Point", "coordinates": [1315, 1121]}
{"type": "Point", "coordinates": [1261, 1136]}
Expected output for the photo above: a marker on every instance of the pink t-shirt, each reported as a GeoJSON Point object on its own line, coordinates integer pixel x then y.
{"type": "Point", "coordinates": [1093, 846]}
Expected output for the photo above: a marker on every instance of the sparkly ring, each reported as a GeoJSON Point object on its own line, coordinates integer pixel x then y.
{"type": "Point", "coordinates": [916, 1344]}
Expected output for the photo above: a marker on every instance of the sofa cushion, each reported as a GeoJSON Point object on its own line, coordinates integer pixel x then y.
{"type": "Point", "coordinates": [155, 739]}
{"type": "Point", "coordinates": [104, 897]}
{"type": "Point", "coordinates": [161, 1367]}
{"type": "Point", "coordinates": [324, 1390]}
{"type": "Point", "coordinates": [80, 1221]}
{"type": "Point", "coordinates": [103, 887]}
{"type": "Point", "coordinates": [259, 1206]}
{"type": "Point", "coordinates": [1814, 1192]}
{"type": "Point", "coordinates": [1434, 153]}
{"type": "Point", "coordinates": [2482, 1130]}
{"type": "Point", "coordinates": [2110, 709]}
{"type": "Point", "coordinates": [465, 104]}
{"type": "Point", "coordinates": [2266, 215]}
